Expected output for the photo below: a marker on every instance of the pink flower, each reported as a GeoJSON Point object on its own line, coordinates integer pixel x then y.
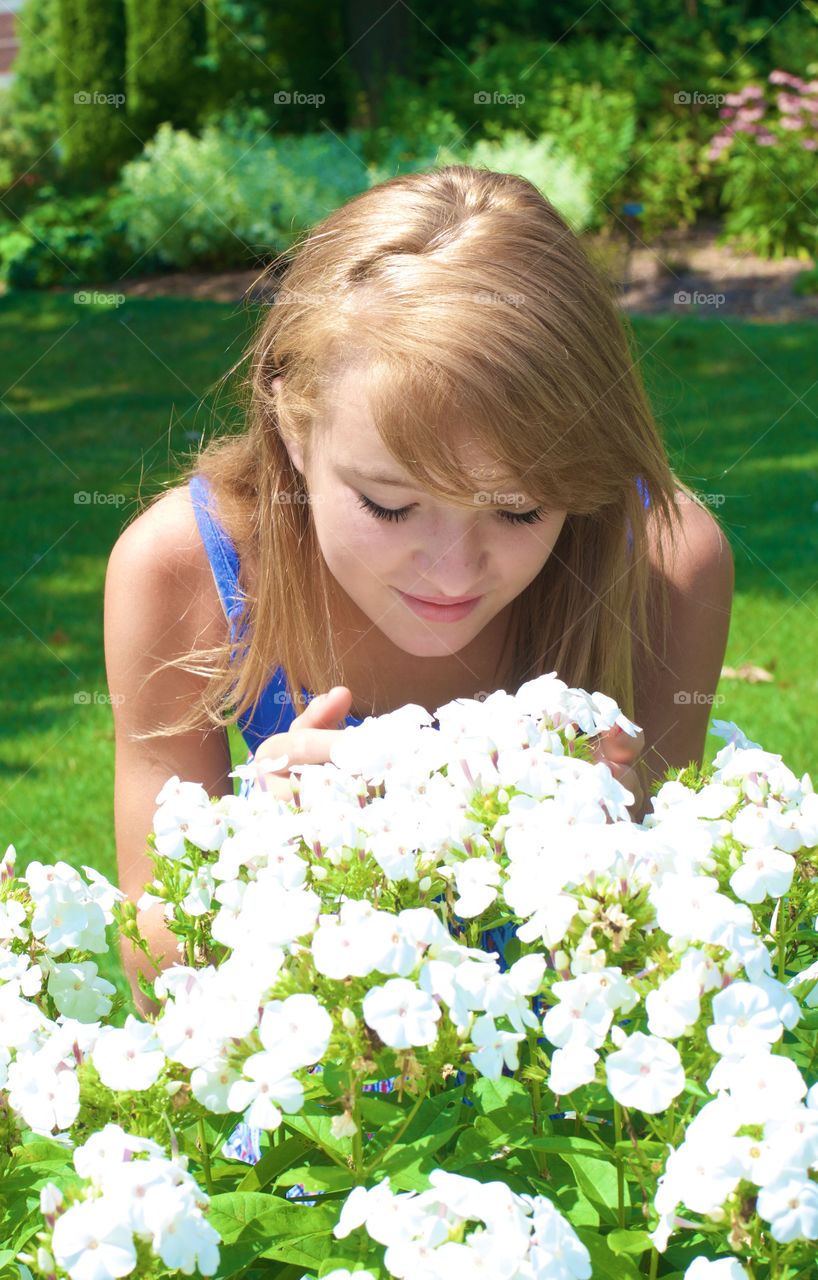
{"type": "Point", "coordinates": [783, 77]}
{"type": "Point", "coordinates": [809, 144]}
{"type": "Point", "coordinates": [789, 103]}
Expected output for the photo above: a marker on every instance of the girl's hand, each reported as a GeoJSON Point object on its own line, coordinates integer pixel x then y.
{"type": "Point", "coordinates": [307, 741]}
{"type": "Point", "coordinates": [621, 753]}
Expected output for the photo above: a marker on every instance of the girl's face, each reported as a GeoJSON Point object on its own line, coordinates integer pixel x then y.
{"type": "Point", "coordinates": [384, 539]}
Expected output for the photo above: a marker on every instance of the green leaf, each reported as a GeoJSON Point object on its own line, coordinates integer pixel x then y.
{"type": "Point", "coordinates": [252, 1220]}
{"type": "Point", "coordinates": [561, 1143]}
{"type": "Point", "coordinates": [606, 1265]}
{"type": "Point", "coordinates": [273, 1162]}
{"type": "Point", "coordinates": [505, 1095]}
{"type": "Point", "coordinates": [408, 1164]}
{"type": "Point", "coordinates": [634, 1241]}
{"type": "Point", "coordinates": [597, 1180]}
{"type": "Point", "coordinates": [231, 1212]}
{"type": "Point", "coordinates": [310, 1248]}
{"type": "Point", "coordinates": [318, 1177]}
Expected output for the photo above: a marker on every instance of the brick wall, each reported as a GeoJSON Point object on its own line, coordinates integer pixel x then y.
{"type": "Point", "coordinates": [9, 42]}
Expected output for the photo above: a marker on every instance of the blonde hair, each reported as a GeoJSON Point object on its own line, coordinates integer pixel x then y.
{"type": "Point", "coordinates": [458, 289]}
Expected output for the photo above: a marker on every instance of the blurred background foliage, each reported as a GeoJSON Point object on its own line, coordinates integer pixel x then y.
{"type": "Point", "coordinates": [141, 136]}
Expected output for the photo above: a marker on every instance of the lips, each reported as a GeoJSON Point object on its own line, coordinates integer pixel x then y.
{"type": "Point", "coordinates": [443, 600]}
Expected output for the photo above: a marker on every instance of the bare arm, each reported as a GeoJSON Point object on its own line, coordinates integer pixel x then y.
{"type": "Point", "coordinates": [153, 611]}
{"type": "Point", "coordinates": [674, 706]}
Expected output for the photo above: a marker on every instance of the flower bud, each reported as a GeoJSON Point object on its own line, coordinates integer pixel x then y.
{"type": "Point", "coordinates": [343, 1126]}
{"type": "Point", "coordinates": [348, 1019]}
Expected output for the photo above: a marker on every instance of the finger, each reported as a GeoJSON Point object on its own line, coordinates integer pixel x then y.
{"type": "Point", "coordinates": [326, 711]}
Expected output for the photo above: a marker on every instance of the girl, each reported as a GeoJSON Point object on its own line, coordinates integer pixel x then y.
{"type": "Point", "coordinates": [450, 482]}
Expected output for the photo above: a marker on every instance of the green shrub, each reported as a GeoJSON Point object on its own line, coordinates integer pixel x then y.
{"type": "Point", "coordinates": [559, 177]}
{"type": "Point", "coordinates": [63, 241]}
{"type": "Point", "coordinates": [669, 179]}
{"type": "Point", "coordinates": [224, 199]}
{"type": "Point", "coordinates": [573, 93]}
{"type": "Point", "coordinates": [29, 116]}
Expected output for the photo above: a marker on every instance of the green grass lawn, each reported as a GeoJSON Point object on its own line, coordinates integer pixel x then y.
{"type": "Point", "coordinates": [102, 401]}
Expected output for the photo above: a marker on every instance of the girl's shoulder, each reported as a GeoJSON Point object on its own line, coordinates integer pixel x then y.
{"type": "Point", "coordinates": [161, 551]}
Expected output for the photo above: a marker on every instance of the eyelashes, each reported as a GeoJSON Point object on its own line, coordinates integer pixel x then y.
{"type": "Point", "coordinates": [394, 514]}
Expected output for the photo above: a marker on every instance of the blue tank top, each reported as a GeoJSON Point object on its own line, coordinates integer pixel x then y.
{"type": "Point", "coordinates": [273, 712]}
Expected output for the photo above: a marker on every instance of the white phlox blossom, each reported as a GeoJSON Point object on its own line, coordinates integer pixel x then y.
{"type": "Point", "coordinates": [66, 912]}
{"type": "Point", "coordinates": [13, 917]}
{"type": "Point", "coordinates": [185, 812]}
{"type": "Point", "coordinates": [133, 1193]}
{"type": "Point", "coordinates": [294, 1033]}
{"type": "Point", "coordinates": [78, 990]}
{"type": "Point", "coordinates": [743, 1020]}
{"type": "Point", "coordinates": [720, 1269]}
{"type": "Point", "coordinates": [646, 1073]}
{"type": "Point", "coordinates": [765, 871]}
{"type": "Point", "coordinates": [477, 880]}
{"type": "Point", "coordinates": [423, 1232]}
{"type": "Point", "coordinates": [401, 1014]}
{"type": "Point", "coordinates": [128, 1057]}
{"type": "Point", "coordinates": [44, 1092]}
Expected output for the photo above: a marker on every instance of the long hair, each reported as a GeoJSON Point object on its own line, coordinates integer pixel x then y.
{"type": "Point", "coordinates": [456, 294]}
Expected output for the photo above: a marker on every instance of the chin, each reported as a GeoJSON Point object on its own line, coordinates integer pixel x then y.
{"type": "Point", "coordinates": [419, 643]}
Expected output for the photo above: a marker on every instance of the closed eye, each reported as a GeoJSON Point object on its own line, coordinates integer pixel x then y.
{"type": "Point", "coordinates": [400, 513]}
{"type": "Point", "coordinates": [394, 513]}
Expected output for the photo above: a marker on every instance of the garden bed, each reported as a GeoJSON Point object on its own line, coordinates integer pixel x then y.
{"type": "Point", "coordinates": [688, 261]}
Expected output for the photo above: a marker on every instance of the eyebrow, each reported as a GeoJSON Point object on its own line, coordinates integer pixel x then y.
{"type": "Point", "coordinates": [379, 477]}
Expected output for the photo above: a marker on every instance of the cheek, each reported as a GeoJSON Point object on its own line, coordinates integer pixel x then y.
{"type": "Point", "coordinates": [353, 541]}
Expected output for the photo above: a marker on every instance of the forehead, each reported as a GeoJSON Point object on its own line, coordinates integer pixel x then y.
{"type": "Point", "coordinates": [351, 441]}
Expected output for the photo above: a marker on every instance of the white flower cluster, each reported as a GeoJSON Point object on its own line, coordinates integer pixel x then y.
{"type": "Point", "coordinates": [132, 1193]}
{"type": "Point", "coordinates": [758, 1091]}
{"type": "Point", "coordinates": [466, 1228]}
{"type": "Point", "coordinates": [51, 910]}
{"type": "Point", "coordinates": [649, 947]}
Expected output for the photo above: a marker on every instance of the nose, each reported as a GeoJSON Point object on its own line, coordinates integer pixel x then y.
{"type": "Point", "coordinates": [454, 557]}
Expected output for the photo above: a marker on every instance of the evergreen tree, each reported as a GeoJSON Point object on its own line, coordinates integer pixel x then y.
{"type": "Point", "coordinates": [165, 77]}
{"type": "Point", "coordinates": [90, 94]}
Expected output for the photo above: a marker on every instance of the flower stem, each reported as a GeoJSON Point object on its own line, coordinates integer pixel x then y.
{"type": "Point", "coordinates": [342, 1164]}
{"type": "Point", "coordinates": [357, 1137]}
{"type": "Point", "coordinates": [620, 1173]}
{"type": "Point", "coordinates": [205, 1156]}
{"type": "Point", "coordinates": [396, 1137]}
{"type": "Point", "coordinates": [782, 942]}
